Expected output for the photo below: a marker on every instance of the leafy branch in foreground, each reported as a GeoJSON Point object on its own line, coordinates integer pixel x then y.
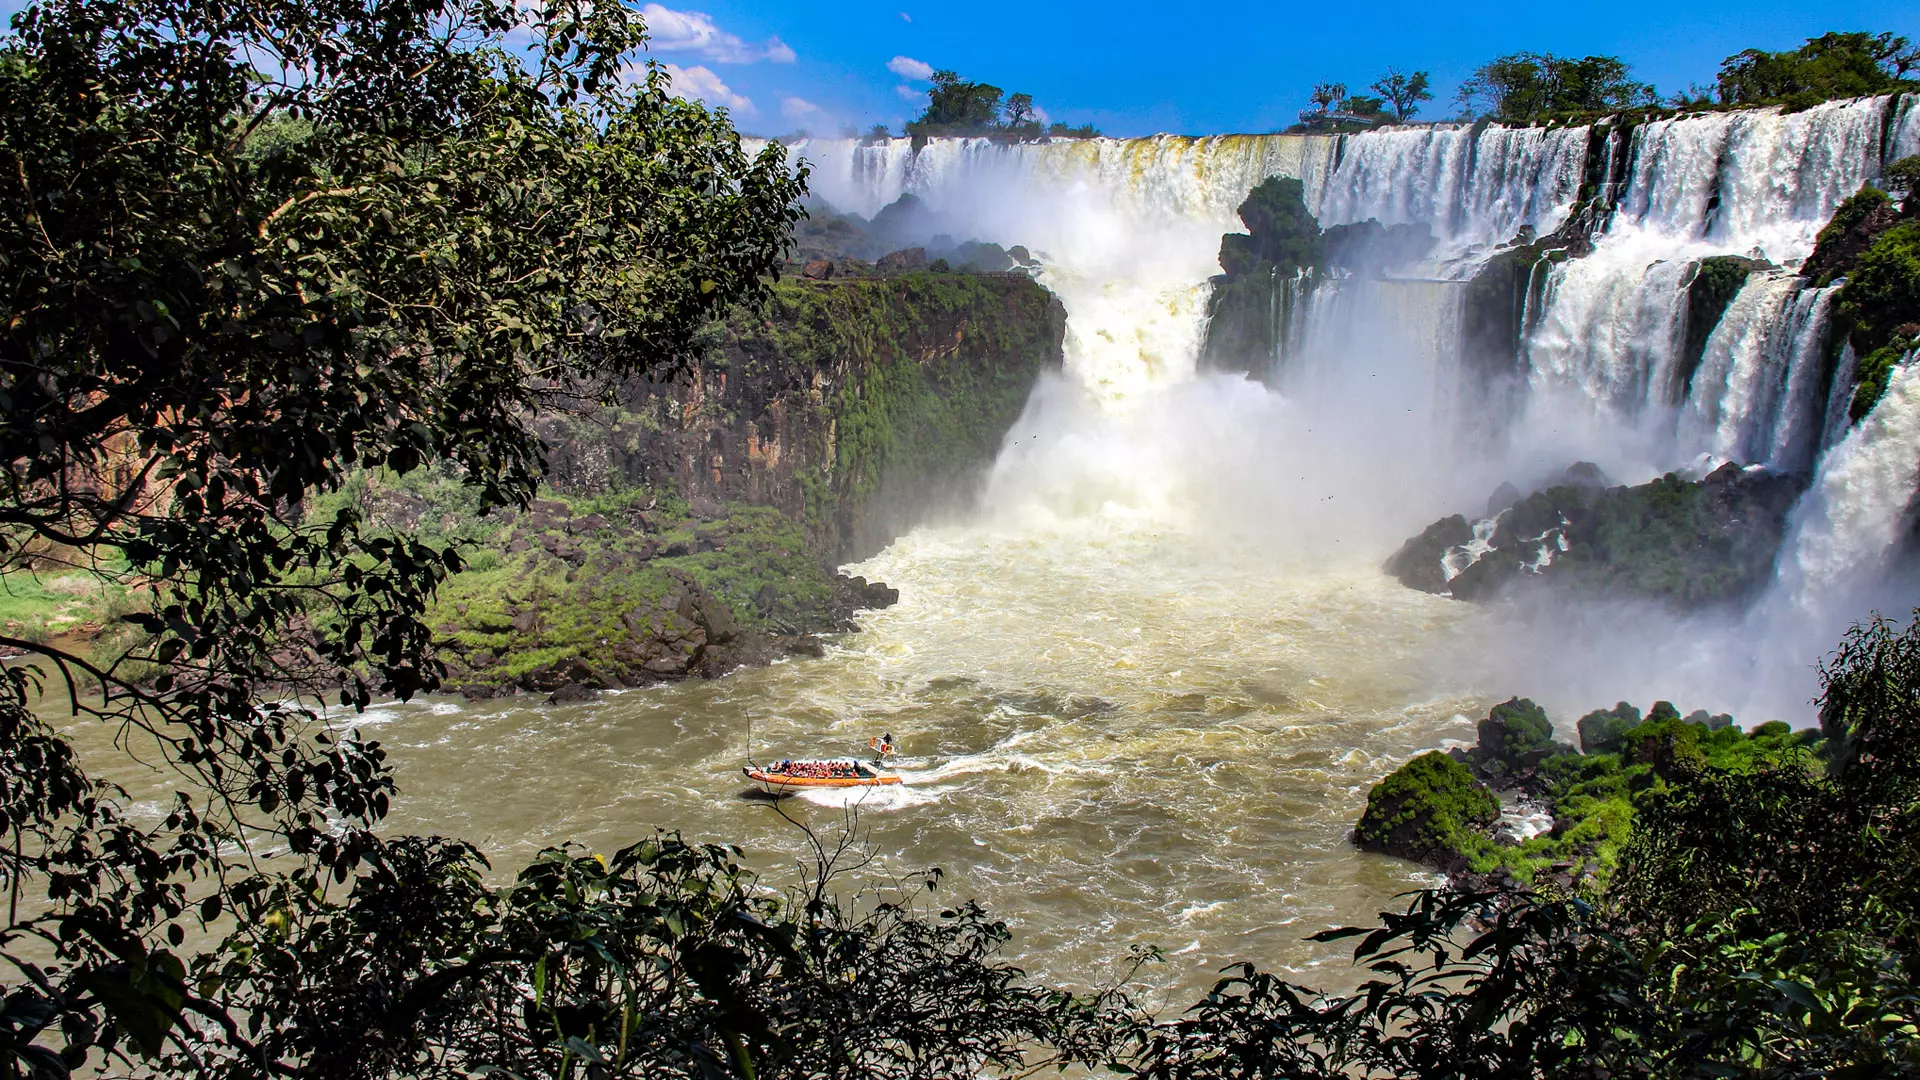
{"type": "Point", "coordinates": [245, 249]}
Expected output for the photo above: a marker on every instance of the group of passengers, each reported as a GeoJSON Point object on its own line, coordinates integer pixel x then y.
{"type": "Point", "coordinates": [817, 770]}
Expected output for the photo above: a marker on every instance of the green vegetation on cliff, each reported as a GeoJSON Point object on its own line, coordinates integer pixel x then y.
{"type": "Point", "coordinates": [1873, 241]}
{"type": "Point", "coordinates": [691, 525]}
{"type": "Point", "coordinates": [1716, 280]}
{"type": "Point", "coordinates": [1249, 309]}
{"type": "Point", "coordinates": [936, 367]}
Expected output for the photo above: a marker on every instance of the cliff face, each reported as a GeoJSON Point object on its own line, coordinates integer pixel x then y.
{"type": "Point", "coordinates": [853, 406]}
{"type": "Point", "coordinates": [692, 527]}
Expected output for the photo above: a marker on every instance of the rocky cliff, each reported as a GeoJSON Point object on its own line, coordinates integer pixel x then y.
{"type": "Point", "coordinates": [692, 526]}
{"type": "Point", "coordinates": [853, 406]}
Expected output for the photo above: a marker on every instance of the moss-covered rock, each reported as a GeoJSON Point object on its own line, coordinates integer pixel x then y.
{"type": "Point", "coordinates": [1513, 731]}
{"type": "Point", "coordinates": [1694, 543]}
{"type": "Point", "coordinates": [1425, 808]}
{"type": "Point", "coordinates": [1430, 810]}
{"type": "Point", "coordinates": [1857, 222]}
{"type": "Point", "coordinates": [1602, 730]}
{"type": "Point", "coordinates": [1716, 280]}
{"type": "Point", "coordinates": [1878, 252]}
{"type": "Point", "coordinates": [1267, 269]}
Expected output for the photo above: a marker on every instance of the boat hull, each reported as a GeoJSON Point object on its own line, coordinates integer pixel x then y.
{"type": "Point", "coordinates": [781, 784]}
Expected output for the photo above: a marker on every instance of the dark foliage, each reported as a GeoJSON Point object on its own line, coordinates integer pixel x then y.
{"type": "Point", "coordinates": [251, 248]}
{"type": "Point", "coordinates": [1527, 87]}
{"type": "Point", "coordinates": [1833, 65]}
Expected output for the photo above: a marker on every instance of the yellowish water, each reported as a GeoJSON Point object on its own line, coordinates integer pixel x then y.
{"type": "Point", "coordinates": [1111, 735]}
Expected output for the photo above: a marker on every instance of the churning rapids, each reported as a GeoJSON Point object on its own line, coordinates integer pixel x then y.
{"type": "Point", "coordinates": [1143, 685]}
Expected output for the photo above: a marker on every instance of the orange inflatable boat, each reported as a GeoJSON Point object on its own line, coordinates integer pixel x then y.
{"type": "Point", "coordinates": [788, 776]}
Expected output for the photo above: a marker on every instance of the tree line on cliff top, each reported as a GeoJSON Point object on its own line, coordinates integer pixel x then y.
{"type": "Point", "coordinates": [252, 247]}
{"type": "Point", "coordinates": [1533, 87]}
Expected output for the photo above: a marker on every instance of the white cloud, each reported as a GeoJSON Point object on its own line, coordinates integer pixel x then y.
{"type": "Point", "coordinates": [694, 31]}
{"type": "Point", "coordinates": [908, 68]}
{"type": "Point", "coordinates": [908, 93]}
{"type": "Point", "coordinates": [798, 109]}
{"type": "Point", "coordinates": [904, 17]}
{"type": "Point", "coordinates": [700, 82]}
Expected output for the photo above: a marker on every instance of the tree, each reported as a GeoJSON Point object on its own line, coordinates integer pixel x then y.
{"type": "Point", "coordinates": [957, 107]}
{"type": "Point", "coordinates": [1833, 65]}
{"type": "Point", "coordinates": [250, 248]}
{"type": "Point", "coordinates": [1363, 105]}
{"type": "Point", "coordinates": [1523, 88]}
{"type": "Point", "coordinates": [1019, 112]}
{"type": "Point", "coordinates": [1403, 92]}
{"type": "Point", "coordinates": [1327, 96]}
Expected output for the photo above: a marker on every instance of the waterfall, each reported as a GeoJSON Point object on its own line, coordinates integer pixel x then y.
{"type": "Point", "coordinates": [1610, 331]}
{"type": "Point", "coordinates": [1127, 230]}
{"type": "Point", "coordinates": [1756, 397]}
{"type": "Point", "coordinates": [1756, 178]}
{"type": "Point", "coordinates": [1472, 186]}
{"type": "Point", "coordinates": [1905, 141]}
{"type": "Point", "coordinates": [1759, 183]}
{"type": "Point", "coordinates": [1852, 524]}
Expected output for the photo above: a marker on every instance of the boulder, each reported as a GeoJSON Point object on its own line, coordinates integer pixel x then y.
{"type": "Point", "coordinates": [1503, 496]}
{"type": "Point", "coordinates": [818, 270]}
{"type": "Point", "coordinates": [1586, 475]}
{"type": "Point", "coordinates": [1513, 731]}
{"type": "Point", "coordinates": [895, 262]}
{"type": "Point", "coordinates": [1601, 730]}
{"type": "Point", "coordinates": [1430, 810]}
{"type": "Point", "coordinates": [1418, 564]}
{"type": "Point", "coordinates": [572, 694]}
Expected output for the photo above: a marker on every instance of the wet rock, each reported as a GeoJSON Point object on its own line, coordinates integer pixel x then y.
{"type": "Point", "coordinates": [1503, 496]}
{"type": "Point", "coordinates": [1418, 564]}
{"type": "Point", "coordinates": [1427, 811]}
{"type": "Point", "coordinates": [572, 694]}
{"type": "Point", "coordinates": [1585, 475]}
{"type": "Point", "coordinates": [895, 262]}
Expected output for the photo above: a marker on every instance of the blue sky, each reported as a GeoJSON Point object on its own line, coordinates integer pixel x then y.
{"type": "Point", "coordinates": [1135, 68]}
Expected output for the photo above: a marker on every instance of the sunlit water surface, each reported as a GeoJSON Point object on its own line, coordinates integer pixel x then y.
{"type": "Point", "coordinates": [1111, 736]}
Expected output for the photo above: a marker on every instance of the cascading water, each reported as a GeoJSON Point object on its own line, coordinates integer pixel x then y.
{"type": "Point", "coordinates": [1756, 397]}
{"type": "Point", "coordinates": [1853, 526]}
{"type": "Point", "coordinates": [1906, 129]}
{"type": "Point", "coordinates": [1756, 183]}
{"type": "Point", "coordinates": [1471, 186]}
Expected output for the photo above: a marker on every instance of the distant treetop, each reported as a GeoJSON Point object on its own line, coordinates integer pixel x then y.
{"type": "Point", "coordinates": [1826, 67]}
{"type": "Point", "coordinates": [958, 107]}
